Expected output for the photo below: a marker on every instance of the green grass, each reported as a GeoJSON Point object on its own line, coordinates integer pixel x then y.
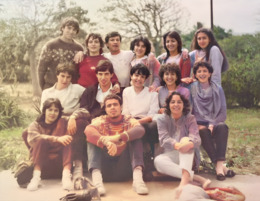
{"type": "Point", "coordinates": [244, 137]}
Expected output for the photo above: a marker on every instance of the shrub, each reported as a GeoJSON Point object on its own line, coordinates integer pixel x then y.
{"type": "Point", "coordinates": [10, 114]}
{"type": "Point", "coordinates": [241, 82]}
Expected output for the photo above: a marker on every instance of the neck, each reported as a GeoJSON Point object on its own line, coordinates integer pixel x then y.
{"type": "Point", "coordinates": [204, 85]}
{"type": "Point", "coordinates": [172, 87]}
{"type": "Point", "coordinates": [59, 87]}
{"type": "Point", "coordinates": [105, 88]}
{"type": "Point", "coordinates": [93, 54]}
{"type": "Point", "coordinates": [115, 119]}
{"type": "Point", "coordinates": [115, 52]}
{"type": "Point", "coordinates": [176, 116]}
{"type": "Point", "coordinates": [66, 40]}
{"type": "Point", "coordinates": [174, 53]}
{"type": "Point", "coordinates": [138, 89]}
{"type": "Point", "coordinates": [139, 57]}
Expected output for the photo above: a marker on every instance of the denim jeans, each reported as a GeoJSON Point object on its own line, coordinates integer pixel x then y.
{"type": "Point", "coordinates": [215, 143]}
{"type": "Point", "coordinates": [116, 168]}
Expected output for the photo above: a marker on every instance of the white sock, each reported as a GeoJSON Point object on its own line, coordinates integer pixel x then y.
{"type": "Point", "coordinates": [66, 179]}
{"type": "Point", "coordinates": [138, 174]}
{"type": "Point", "coordinates": [98, 181]}
{"type": "Point", "coordinates": [78, 169]}
{"type": "Point", "coordinates": [35, 181]}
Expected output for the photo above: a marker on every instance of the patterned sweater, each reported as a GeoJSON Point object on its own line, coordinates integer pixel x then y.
{"type": "Point", "coordinates": [54, 52]}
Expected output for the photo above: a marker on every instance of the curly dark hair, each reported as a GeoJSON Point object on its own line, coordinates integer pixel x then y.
{"type": "Point", "coordinates": [200, 64]}
{"type": "Point", "coordinates": [186, 103]}
{"type": "Point", "coordinates": [172, 68]}
{"type": "Point", "coordinates": [146, 42]}
{"type": "Point", "coordinates": [95, 36]}
{"type": "Point", "coordinates": [47, 104]}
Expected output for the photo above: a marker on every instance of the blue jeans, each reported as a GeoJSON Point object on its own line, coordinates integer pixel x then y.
{"type": "Point", "coordinates": [116, 168]}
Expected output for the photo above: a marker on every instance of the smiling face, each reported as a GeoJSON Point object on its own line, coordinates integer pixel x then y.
{"type": "Point", "coordinates": [170, 78]}
{"type": "Point", "coordinates": [93, 46]}
{"type": "Point", "coordinates": [138, 80]}
{"type": "Point", "coordinates": [104, 78]}
{"type": "Point", "coordinates": [68, 33]}
{"type": "Point", "coordinates": [203, 75]}
{"type": "Point", "coordinates": [176, 106]}
{"type": "Point", "coordinates": [64, 79]}
{"type": "Point", "coordinates": [113, 108]}
{"type": "Point", "coordinates": [113, 44]}
{"type": "Point", "coordinates": [172, 45]}
{"type": "Point", "coordinates": [139, 49]}
{"type": "Point", "coordinates": [203, 40]}
{"type": "Point", "coordinates": [51, 114]}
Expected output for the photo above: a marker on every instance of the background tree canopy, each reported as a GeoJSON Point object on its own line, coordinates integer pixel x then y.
{"type": "Point", "coordinates": [36, 21]}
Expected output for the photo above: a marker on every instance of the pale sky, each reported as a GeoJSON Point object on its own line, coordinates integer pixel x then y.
{"type": "Point", "coordinates": [242, 16]}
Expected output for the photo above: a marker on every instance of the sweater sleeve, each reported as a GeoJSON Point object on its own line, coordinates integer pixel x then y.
{"type": "Point", "coordinates": [155, 65]}
{"type": "Point", "coordinates": [43, 65]}
{"type": "Point", "coordinates": [154, 105]}
{"type": "Point", "coordinates": [93, 136]}
{"type": "Point", "coordinates": [193, 130]}
{"type": "Point", "coordinates": [125, 110]}
{"type": "Point", "coordinates": [35, 133]}
{"type": "Point", "coordinates": [216, 60]}
{"type": "Point", "coordinates": [166, 141]}
{"type": "Point", "coordinates": [223, 111]}
{"type": "Point", "coordinates": [136, 132]}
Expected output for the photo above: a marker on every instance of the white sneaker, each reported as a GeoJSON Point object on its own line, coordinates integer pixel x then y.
{"type": "Point", "coordinates": [34, 184]}
{"type": "Point", "coordinates": [140, 188]}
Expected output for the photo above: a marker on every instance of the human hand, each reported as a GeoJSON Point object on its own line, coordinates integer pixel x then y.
{"type": "Point", "coordinates": [210, 127]}
{"type": "Point", "coordinates": [161, 110]}
{"type": "Point", "coordinates": [113, 138]}
{"type": "Point", "coordinates": [152, 88]}
{"type": "Point", "coordinates": [111, 148]}
{"type": "Point", "coordinates": [184, 145]}
{"type": "Point", "coordinates": [64, 140]}
{"type": "Point", "coordinates": [72, 126]}
{"type": "Point", "coordinates": [115, 89]}
{"type": "Point", "coordinates": [185, 54]}
{"type": "Point", "coordinates": [78, 57]}
{"type": "Point", "coordinates": [187, 80]}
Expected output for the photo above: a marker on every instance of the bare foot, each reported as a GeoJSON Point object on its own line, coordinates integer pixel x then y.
{"type": "Point", "coordinates": [178, 192]}
{"type": "Point", "coordinates": [206, 184]}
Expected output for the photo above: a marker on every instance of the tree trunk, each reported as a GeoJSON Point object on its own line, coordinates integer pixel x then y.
{"type": "Point", "coordinates": [34, 73]}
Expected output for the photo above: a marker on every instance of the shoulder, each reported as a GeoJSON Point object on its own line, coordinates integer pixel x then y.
{"type": "Point", "coordinates": [130, 119]}
{"type": "Point", "coordinates": [162, 56]}
{"type": "Point", "coordinates": [214, 49]}
{"type": "Point", "coordinates": [98, 120]}
{"type": "Point", "coordinates": [163, 118]}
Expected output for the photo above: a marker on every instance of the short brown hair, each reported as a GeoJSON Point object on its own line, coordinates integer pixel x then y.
{"type": "Point", "coordinates": [112, 96]}
{"type": "Point", "coordinates": [104, 65]}
{"type": "Point", "coordinates": [70, 21]}
{"type": "Point", "coordinates": [66, 67]}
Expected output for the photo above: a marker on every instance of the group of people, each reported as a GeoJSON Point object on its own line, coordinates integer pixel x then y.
{"type": "Point", "coordinates": [109, 108]}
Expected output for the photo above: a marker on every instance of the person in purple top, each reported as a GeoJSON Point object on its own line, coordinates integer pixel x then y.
{"type": "Point", "coordinates": [209, 108]}
{"type": "Point", "coordinates": [170, 75]}
{"type": "Point", "coordinates": [179, 136]}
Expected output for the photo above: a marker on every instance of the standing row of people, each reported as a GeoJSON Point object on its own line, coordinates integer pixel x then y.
{"type": "Point", "coordinates": [179, 132]}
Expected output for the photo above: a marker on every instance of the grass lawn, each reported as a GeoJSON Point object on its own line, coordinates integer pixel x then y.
{"type": "Point", "coordinates": [243, 153]}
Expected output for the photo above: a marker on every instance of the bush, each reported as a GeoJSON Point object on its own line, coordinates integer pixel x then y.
{"type": "Point", "coordinates": [10, 114]}
{"type": "Point", "coordinates": [241, 82]}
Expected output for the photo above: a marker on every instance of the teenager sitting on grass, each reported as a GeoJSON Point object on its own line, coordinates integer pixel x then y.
{"type": "Point", "coordinates": [50, 146]}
